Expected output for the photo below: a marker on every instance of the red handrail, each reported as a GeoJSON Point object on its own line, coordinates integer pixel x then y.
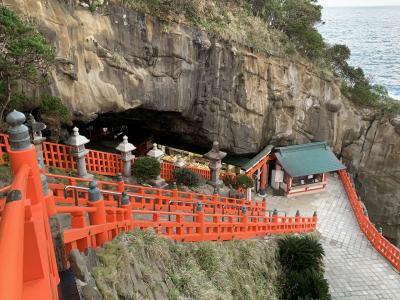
{"type": "Point", "coordinates": [12, 239]}
{"type": "Point", "coordinates": [157, 199]}
{"type": "Point", "coordinates": [382, 245]}
{"type": "Point", "coordinates": [185, 227]}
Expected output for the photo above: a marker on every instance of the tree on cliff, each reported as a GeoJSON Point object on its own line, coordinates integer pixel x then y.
{"type": "Point", "coordinates": [25, 55]}
{"type": "Point", "coordinates": [296, 18]}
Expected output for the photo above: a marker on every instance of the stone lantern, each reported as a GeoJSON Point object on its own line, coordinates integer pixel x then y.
{"type": "Point", "coordinates": [215, 157]}
{"type": "Point", "coordinates": [126, 149]}
{"type": "Point", "coordinates": [79, 151]}
{"type": "Point", "coordinates": [157, 154]}
{"type": "Point", "coordinates": [37, 138]}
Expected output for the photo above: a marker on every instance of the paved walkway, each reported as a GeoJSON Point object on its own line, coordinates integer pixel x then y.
{"type": "Point", "coordinates": [354, 269]}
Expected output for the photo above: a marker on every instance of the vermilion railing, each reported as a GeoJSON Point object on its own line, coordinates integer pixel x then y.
{"type": "Point", "coordinates": [99, 162]}
{"type": "Point", "coordinates": [104, 163]}
{"type": "Point", "coordinates": [184, 227]}
{"type": "Point", "coordinates": [167, 171]}
{"type": "Point", "coordinates": [58, 156]}
{"type": "Point", "coordinates": [27, 259]}
{"type": "Point", "coordinates": [382, 245]}
{"type": "Point", "coordinates": [145, 198]}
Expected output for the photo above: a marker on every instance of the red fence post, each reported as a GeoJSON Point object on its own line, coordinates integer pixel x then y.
{"type": "Point", "coordinates": [200, 220]}
{"type": "Point", "coordinates": [127, 205]}
{"type": "Point", "coordinates": [99, 216]}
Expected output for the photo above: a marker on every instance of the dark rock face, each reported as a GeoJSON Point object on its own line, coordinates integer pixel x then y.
{"type": "Point", "coordinates": [204, 89]}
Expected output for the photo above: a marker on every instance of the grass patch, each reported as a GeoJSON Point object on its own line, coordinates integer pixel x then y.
{"type": "Point", "coordinates": [140, 261]}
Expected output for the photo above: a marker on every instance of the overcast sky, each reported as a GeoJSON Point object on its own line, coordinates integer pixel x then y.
{"type": "Point", "coordinates": [358, 2]}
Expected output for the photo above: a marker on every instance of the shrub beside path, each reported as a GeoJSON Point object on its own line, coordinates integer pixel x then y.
{"type": "Point", "coordinates": [354, 269]}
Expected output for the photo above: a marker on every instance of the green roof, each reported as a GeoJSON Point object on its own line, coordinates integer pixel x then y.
{"type": "Point", "coordinates": [256, 159]}
{"type": "Point", "coordinates": [308, 159]}
{"type": "Point", "coordinates": [236, 160]}
{"type": "Point", "coordinates": [246, 162]}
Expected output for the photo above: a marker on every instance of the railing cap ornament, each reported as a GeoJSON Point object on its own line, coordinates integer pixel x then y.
{"type": "Point", "coordinates": [19, 133]}
{"type": "Point", "coordinates": [119, 177]}
{"type": "Point", "coordinates": [199, 206]}
{"type": "Point", "coordinates": [94, 192]}
{"type": "Point", "coordinates": [125, 199]}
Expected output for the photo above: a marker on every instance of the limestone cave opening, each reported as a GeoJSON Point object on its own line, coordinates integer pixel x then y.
{"type": "Point", "coordinates": [144, 127]}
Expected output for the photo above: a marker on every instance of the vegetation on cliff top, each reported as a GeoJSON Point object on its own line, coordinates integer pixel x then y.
{"type": "Point", "coordinates": [25, 56]}
{"type": "Point", "coordinates": [278, 27]}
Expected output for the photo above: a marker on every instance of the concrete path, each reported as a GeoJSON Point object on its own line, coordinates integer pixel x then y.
{"type": "Point", "coordinates": [354, 269]}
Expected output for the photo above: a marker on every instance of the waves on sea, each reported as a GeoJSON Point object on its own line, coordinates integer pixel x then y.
{"type": "Point", "coordinates": [373, 36]}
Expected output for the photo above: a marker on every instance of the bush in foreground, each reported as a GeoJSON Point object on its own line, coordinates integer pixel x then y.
{"type": "Point", "coordinates": [301, 258]}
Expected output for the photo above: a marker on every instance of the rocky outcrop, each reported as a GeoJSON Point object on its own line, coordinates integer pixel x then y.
{"type": "Point", "coordinates": [203, 88]}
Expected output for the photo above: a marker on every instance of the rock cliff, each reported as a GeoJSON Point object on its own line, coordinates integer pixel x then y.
{"type": "Point", "coordinates": [204, 88]}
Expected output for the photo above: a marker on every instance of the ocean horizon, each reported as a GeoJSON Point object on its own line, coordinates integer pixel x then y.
{"type": "Point", "coordinates": [372, 34]}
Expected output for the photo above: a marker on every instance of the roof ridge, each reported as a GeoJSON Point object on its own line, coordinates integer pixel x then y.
{"type": "Point", "coordinates": [302, 147]}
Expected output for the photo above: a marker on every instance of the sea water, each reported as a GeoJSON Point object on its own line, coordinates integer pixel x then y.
{"type": "Point", "coordinates": [373, 36]}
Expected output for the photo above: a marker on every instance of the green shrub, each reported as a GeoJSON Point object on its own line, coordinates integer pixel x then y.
{"type": "Point", "coordinates": [238, 181]}
{"type": "Point", "coordinates": [303, 276]}
{"type": "Point", "coordinates": [52, 107]}
{"type": "Point", "coordinates": [300, 253]}
{"type": "Point", "coordinates": [186, 177]}
{"type": "Point", "coordinates": [244, 181]}
{"type": "Point", "coordinates": [307, 284]}
{"type": "Point", "coordinates": [146, 168]}
{"type": "Point", "coordinates": [229, 181]}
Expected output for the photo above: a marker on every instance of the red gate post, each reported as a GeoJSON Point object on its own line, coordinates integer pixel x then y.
{"type": "Point", "coordinates": [126, 204]}
{"type": "Point", "coordinates": [263, 183]}
{"type": "Point", "coordinates": [200, 221]}
{"type": "Point", "coordinates": [99, 216]}
{"type": "Point", "coordinates": [244, 220]}
{"type": "Point", "coordinates": [315, 219]}
{"type": "Point", "coordinates": [297, 219]}
{"type": "Point", "coordinates": [120, 184]}
{"type": "Point", "coordinates": [275, 221]}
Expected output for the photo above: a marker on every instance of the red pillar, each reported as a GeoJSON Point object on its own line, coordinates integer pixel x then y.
{"type": "Point", "coordinates": [263, 184]}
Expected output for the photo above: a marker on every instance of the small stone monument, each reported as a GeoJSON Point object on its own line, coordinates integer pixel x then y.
{"type": "Point", "coordinates": [215, 157]}
{"type": "Point", "coordinates": [78, 143]}
{"type": "Point", "coordinates": [37, 138]}
{"type": "Point", "coordinates": [157, 154]}
{"type": "Point", "coordinates": [126, 149]}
